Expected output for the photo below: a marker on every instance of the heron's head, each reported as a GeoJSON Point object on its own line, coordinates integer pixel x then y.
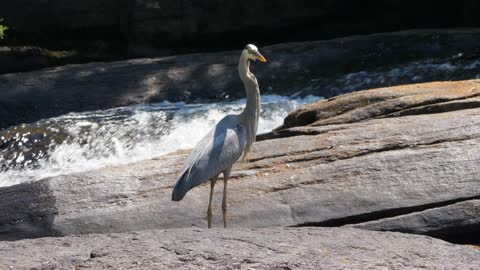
{"type": "Point", "coordinates": [253, 53]}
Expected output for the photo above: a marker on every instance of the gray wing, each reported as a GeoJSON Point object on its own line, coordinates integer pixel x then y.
{"type": "Point", "coordinates": [218, 150]}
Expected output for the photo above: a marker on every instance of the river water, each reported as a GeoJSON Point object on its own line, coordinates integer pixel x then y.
{"type": "Point", "coordinates": [84, 141]}
{"type": "Point", "coordinates": [78, 142]}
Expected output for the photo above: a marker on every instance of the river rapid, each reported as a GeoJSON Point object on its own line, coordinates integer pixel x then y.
{"type": "Point", "coordinates": [78, 142]}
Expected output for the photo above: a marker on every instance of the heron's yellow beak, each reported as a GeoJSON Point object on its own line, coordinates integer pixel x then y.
{"type": "Point", "coordinates": [261, 58]}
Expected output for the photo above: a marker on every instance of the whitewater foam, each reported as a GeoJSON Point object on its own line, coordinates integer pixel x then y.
{"type": "Point", "coordinates": [96, 139]}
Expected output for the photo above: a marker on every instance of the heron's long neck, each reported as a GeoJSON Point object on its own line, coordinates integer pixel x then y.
{"type": "Point", "coordinates": [249, 116]}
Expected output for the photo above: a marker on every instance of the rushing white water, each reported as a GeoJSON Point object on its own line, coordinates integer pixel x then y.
{"type": "Point", "coordinates": [84, 141]}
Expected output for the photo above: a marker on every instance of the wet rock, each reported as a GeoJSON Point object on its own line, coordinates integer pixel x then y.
{"type": "Point", "coordinates": [437, 97]}
{"type": "Point", "coordinates": [317, 68]}
{"type": "Point", "coordinates": [31, 141]}
{"type": "Point", "coordinates": [267, 248]}
{"type": "Point", "coordinates": [345, 172]}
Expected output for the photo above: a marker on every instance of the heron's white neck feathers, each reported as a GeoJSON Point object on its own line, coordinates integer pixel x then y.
{"type": "Point", "coordinates": [244, 67]}
{"type": "Point", "coordinates": [249, 116]}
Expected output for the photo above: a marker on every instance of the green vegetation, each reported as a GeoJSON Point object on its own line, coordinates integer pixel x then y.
{"type": "Point", "coordinates": [3, 28]}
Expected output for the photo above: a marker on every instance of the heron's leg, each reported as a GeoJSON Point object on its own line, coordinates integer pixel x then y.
{"type": "Point", "coordinates": [209, 211]}
{"type": "Point", "coordinates": [226, 175]}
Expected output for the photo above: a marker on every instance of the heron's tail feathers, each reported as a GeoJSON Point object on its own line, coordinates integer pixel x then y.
{"type": "Point", "coordinates": [181, 187]}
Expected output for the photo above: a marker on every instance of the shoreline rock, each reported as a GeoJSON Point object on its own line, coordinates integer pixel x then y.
{"type": "Point", "coordinates": [349, 170]}
{"type": "Point", "coordinates": [15, 59]}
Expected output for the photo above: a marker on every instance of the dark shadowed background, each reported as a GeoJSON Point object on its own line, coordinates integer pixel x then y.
{"type": "Point", "coordinates": [146, 27]}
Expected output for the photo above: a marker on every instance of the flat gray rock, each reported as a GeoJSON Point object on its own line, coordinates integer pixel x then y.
{"type": "Point", "coordinates": [268, 248]}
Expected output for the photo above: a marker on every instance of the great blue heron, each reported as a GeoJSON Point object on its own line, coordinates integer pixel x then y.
{"type": "Point", "coordinates": [225, 143]}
